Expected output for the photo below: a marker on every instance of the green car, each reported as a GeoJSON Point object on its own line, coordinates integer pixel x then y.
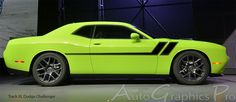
{"type": "Point", "coordinates": [112, 48]}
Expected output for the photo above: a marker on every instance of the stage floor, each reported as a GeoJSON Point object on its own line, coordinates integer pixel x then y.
{"type": "Point", "coordinates": [20, 89]}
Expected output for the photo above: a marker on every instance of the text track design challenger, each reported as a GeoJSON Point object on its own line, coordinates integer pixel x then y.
{"type": "Point", "coordinates": [113, 48]}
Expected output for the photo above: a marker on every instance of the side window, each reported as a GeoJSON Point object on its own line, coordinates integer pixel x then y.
{"type": "Point", "coordinates": [112, 32]}
{"type": "Point", "coordinates": [85, 31]}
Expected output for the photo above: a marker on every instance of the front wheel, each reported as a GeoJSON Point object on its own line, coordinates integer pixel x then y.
{"type": "Point", "coordinates": [191, 67]}
{"type": "Point", "coordinates": [50, 69]}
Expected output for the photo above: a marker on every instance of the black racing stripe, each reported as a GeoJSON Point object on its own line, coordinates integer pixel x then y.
{"type": "Point", "coordinates": [155, 51]}
{"type": "Point", "coordinates": [169, 48]}
{"type": "Point", "coordinates": [118, 53]}
{"type": "Point", "coordinates": [158, 48]}
{"type": "Point", "coordinates": [77, 53]}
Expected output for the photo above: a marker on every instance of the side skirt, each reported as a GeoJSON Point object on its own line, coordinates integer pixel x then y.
{"type": "Point", "coordinates": [117, 76]}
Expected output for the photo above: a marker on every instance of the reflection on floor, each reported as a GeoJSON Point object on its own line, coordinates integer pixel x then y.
{"type": "Point", "coordinates": [219, 89]}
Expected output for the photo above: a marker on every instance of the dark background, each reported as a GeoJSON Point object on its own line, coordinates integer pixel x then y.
{"type": "Point", "coordinates": [208, 20]}
{"type": "Point", "coordinates": [214, 20]}
{"type": "Point", "coordinates": [162, 18]}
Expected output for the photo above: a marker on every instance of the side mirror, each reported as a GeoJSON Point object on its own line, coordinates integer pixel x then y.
{"type": "Point", "coordinates": [135, 37]}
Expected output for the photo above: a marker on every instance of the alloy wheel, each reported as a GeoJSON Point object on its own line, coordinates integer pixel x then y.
{"type": "Point", "coordinates": [191, 68]}
{"type": "Point", "coordinates": [49, 69]}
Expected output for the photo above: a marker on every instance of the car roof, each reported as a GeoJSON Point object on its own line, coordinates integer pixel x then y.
{"type": "Point", "coordinates": [102, 23]}
{"type": "Point", "coordinates": [72, 26]}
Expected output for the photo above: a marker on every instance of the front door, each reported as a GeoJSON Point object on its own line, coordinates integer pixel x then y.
{"type": "Point", "coordinates": [114, 52]}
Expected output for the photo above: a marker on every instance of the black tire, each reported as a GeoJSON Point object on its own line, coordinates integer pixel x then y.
{"type": "Point", "coordinates": [50, 69]}
{"type": "Point", "coordinates": [191, 68]}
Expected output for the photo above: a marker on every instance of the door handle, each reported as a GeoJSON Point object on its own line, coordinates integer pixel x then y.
{"type": "Point", "coordinates": [96, 43]}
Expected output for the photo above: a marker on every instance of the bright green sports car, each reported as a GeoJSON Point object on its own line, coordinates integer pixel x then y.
{"type": "Point", "coordinates": [113, 48]}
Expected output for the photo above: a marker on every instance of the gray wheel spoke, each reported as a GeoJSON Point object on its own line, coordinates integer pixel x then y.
{"type": "Point", "coordinates": [195, 77]}
{"type": "Point", "coordinates": [57, 66]}
{"type": "Point", "coordinates": [56, 73]}
{"type": "Point", "coordinates": [184, 75]}
{"type": "Point", "coordinates": [45, 61]}
{"type": "Point", "coordinates": [40, 64]}
{"type": "Point", "coordinates": [41, 74]}
{"type": "Point", "coordinates": [197, 74]}
{"type": "Point", "coordinates": [53, 77]}
{"type": "Point", "coordinates": [200, 65]}
{"type": "Point", "coordinates": [181, 71]}
{"type": "Point", "coordinates": [49, 59]}
{"type": "Point", "coordinates": [197, 60]}
{"type": "Point", "coordinates": [43, 68]}
{"type": "Point", "coordinates": [49, 76]}
{"type": "Point", "coordinates": [44, 76]}
{"type": "Point", "coordinates": [56, 70]}
{"type": "Point", "coordinates": [54, 61]}
{"type": "Point", "coordinates": [199, 69]}
{"type": "Point", "coordinates": [189, 76]}
{"type": "Point", "coordinates": [192, 58]}
{"type": "Point", "coordinates": [187, 58]}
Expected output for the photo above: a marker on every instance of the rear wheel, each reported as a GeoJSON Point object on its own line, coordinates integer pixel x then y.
{"type": "Point", "coordinates": [50, 69]}
{"type": "Point", "coordinates": [191, 67]}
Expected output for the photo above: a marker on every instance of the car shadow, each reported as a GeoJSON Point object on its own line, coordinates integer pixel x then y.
{"type": "Point", "coordinates": [122, 81]}
{"type": "Point", "coordinates": [88, 81]}
{"type": "Point", "coordinates": [95, 81]}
